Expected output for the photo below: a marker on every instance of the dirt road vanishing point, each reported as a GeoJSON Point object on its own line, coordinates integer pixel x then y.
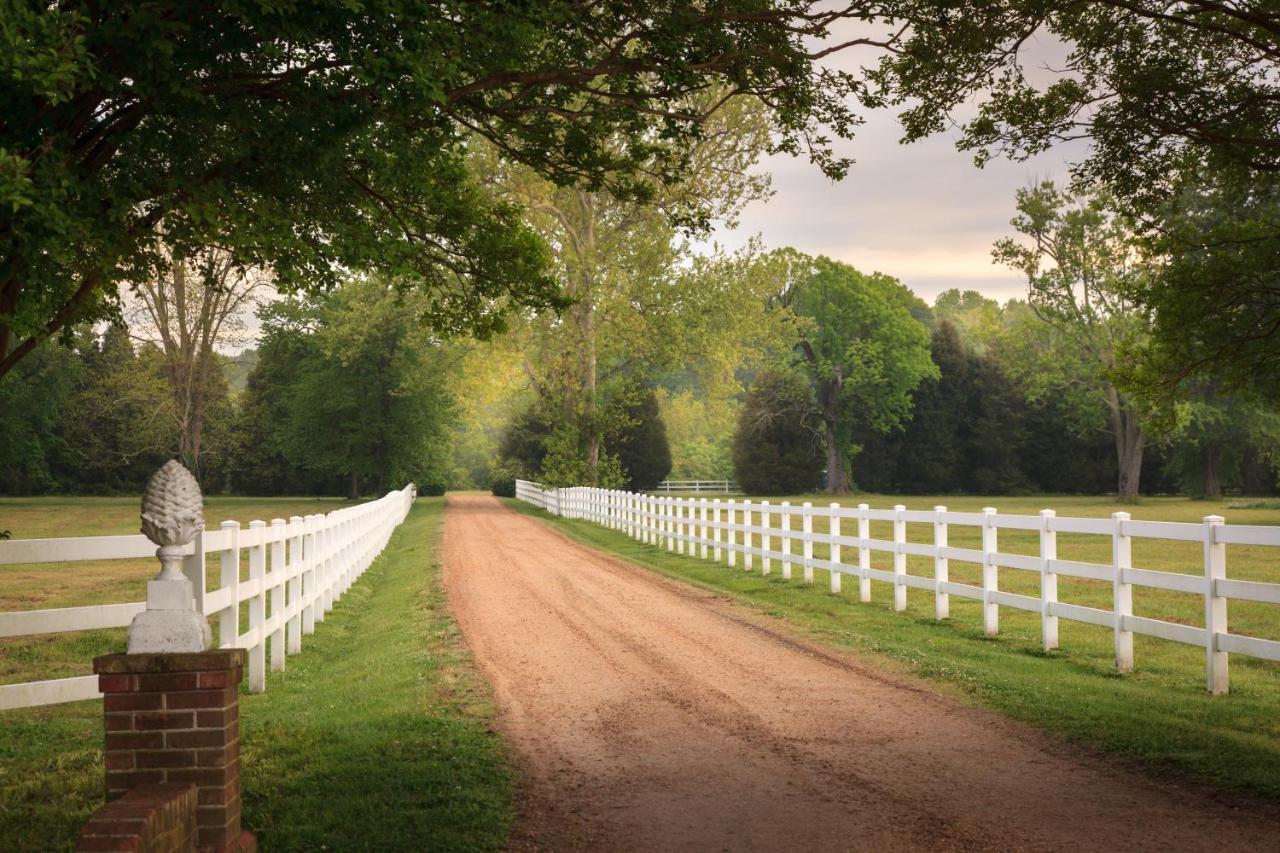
{"type": "Point", "coordinates": [650, 715]}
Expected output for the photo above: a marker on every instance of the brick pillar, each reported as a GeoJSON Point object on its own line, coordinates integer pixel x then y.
{"type": "Point", "coordinates": [175, 718]}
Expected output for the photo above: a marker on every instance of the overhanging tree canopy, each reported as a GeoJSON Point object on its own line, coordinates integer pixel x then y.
{"type": "Point", "coordinates": [320, 136]}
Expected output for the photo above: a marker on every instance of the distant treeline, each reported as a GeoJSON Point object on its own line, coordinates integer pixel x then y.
{"type": "Point", "coordinates": [345, 394]}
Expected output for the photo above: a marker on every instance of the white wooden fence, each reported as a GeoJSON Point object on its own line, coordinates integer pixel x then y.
{"type": "Point", "coordinates": [712, 527]}
{"type": "Point", "coordinates": [724, 487]}
{"type": "Point", "coordinates": [297, 570]}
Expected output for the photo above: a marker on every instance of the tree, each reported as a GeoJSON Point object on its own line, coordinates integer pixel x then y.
{"type": "Point", "coordinates": [365, 398]}
{"type": "Point", "coordinates": [1159, 88]}
{"type": "Point", "coordinates": [1080, 262]}
{"type": "Point", "coordinates": [1181, 106]}
{"type": "Point", "coordinates": [195, 306]}
{"type": "Point", "coordinates": [638, 437]}
{"type": "Point", "coordinates": [776, 446]}
{"type": "Point", "coordinates": [863, 352]}
{"type": "Point", "coordinates": [1215, 289]}
{"type": "Point", "coordinates": [317, 138]}
{"type": "Point", "coordinates": [641, 302]}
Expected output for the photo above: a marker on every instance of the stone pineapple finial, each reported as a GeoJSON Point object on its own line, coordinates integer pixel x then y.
{"type": "Point", "coordinates": [172, 507]}
{"type": "Point", "coordinates": [172, 515]}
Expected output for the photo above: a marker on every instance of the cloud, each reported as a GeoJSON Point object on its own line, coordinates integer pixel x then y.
{"type": "Point", "coordinates": [923, 213]}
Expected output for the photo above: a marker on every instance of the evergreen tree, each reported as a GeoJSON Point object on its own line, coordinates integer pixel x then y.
{"type": "Point", "coordinates": [777, 448]}
{"type": "Point", "coordinates": [639, 440]}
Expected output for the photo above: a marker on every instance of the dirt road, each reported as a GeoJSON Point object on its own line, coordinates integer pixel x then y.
{"type": "Point", "coordinates": [649, 715]}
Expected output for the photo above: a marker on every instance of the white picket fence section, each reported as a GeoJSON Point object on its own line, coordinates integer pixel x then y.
{"type": "Point", "coordinates": [712, 528]}
{"type": "Point", "coordinates": [298, 569]}
{"type": "Point", "coordinates": [723, 487]}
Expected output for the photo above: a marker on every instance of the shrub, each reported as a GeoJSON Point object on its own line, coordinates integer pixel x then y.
{"type": "Point", "coordinates": [776, 450]}
{"type": "Point", "coordinates": [502, 482]}
{"type": "Point", "coordinates": [639, 441]}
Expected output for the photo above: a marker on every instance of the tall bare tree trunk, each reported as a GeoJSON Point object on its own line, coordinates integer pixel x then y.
{"type": "Point", "coordinates": [1212, 486]}
{"type": "Point", "coordinates": [829, 401]}
{"type": "Point", "coordinates": [1130, 441]}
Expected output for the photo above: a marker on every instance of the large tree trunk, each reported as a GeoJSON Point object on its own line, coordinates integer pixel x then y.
{"type": "Point", "coordinates": [1212, 487]}
{"type": "Point", "coordinates": [829, 400]}
{"type": "Point", "coordinates": [1131, 441]}
{"type": "Point", "coordinates": [837, 477]}
{"type": "Point", "coordinates": [354, 491]}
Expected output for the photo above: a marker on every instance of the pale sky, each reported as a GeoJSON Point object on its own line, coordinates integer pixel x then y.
{"type": "Point", "coordinates": [923, 213]}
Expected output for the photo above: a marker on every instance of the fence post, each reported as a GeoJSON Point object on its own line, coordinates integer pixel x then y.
{"type": "Point", "coordinates": [1215, 606]}
{"type": "Point", "coordinates": [277, 593]}
{"type": "Point", "coordinates": [990, 574]}
{"type": "Point", "coordinates": [899, 559]}
{"type": "Point", "coordinates": [229, 578]}
{"type": "Point", "coordinates": [864, 553]}
{"type": "Point", "coordinates": [941, 567]}
{"type": "Point", "coordinates": [309, 549]}
{"type": "Point", "coordinates": [733, 534]}
{"type": "Point", "coordinates": [766, 541]}
{"type": "Point", "coordinates": [747, 538]}
{"type": "Point", "coordinates": [1122, 591]}
{"type": "Point", "coordinates": [1048, 581]}
{"type": "Point", "coordinates": [294, 633]}
{"type": "Point", "coordinates": [784, 516]}
{"type": "Point", "coordinates": [258, 610]}
{"type": "Point", "coordinates": [806, 532]}
{"type": "Point", "coordinates": [833, 529]}
{"type": "Point", "coordinates": [671, 523]}
{"type": "Point", "coordinates": [717, 533]}
{"type": "Point", "coordinates": [702, 539]}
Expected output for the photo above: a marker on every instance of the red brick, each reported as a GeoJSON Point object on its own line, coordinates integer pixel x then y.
{"type": "Point", "coordinates": [125, 780]}
{"type": "Point", "coordinates": [118, 760]}
{"type": "Point", "coordinates": [216, 837]}
{"type": "Point", "coordinates": [219, 757]}
{"type": "Point", "coordinates": [199, 738]}
{"type": "Point", "coordinates": [226, 678]}
{"type": "Point", "coordinates": [165, 681]}
{"type": "Point", "coordinates": [135, 740]}
{"type": "Point", "coordinates": [117, 722]}
{"type": "Point", "coordinates": [220, 795]}
{"type": "Point", "coordinates": [202, 777]}
{"type": "Point", "coordinates": [116, 683]}
{"type": "Point", "coordinates": [202, 698]}
{"type": "Point", "coordinates": [109, 843]}
{"type": "Point", "coordinates": [218, 719]}
{"type": "Point", "coordinates": [166, 758]}
{"type": "Point", "coordinates": [112, 702]}
{"type": "Point", "coordinates": [116, 824]}
{"type": "Point", "coordinates": [146, 721]}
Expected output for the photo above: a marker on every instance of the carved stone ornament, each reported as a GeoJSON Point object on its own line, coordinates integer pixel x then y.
{"type": "Point", "coordinates": [172, 515]}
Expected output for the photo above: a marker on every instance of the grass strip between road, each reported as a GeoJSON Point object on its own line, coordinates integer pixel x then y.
{"type": "Point", "coordinates": [377, 737]}
{"type": "Point", "coordinates": [1159, 716]}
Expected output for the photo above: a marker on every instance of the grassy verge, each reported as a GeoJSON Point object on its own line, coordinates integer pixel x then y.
{"type": "Point", "coordinates": [1159, 715]}
{"type": "Point", "coordinates": [376, 737]}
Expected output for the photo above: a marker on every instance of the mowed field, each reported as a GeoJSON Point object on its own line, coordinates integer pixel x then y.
{"type": "Point", "coordinates": [1159, 714]}
{"type": "Point", "coordinates": [45, 585]}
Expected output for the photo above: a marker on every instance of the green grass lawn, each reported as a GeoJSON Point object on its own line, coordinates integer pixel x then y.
{"type": "Point", "coordinates": [1159, 714]}
{"type": "Point", "coordinates": [376, 737]}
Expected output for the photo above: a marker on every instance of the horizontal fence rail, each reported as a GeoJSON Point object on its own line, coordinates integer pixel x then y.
{"type": "Point", "coordinates": [725, 529]}
{"type": "Point", "coordinates": [722, 486]}
{"type": "Point", "coordinates": [297, 570]}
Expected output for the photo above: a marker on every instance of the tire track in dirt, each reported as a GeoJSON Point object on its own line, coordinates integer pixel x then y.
{"type": "Point", "coordinates": [650, 715]}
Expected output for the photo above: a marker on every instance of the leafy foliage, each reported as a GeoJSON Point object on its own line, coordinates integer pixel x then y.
{"type": "Point", "coordinates": [638, 438]}
{"type": "Point", "coordinates": [864, 351]}
{"type": "Point", "coordinates": [326, 136]}
{"type": "Point", "coordinates": [776, 449]}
